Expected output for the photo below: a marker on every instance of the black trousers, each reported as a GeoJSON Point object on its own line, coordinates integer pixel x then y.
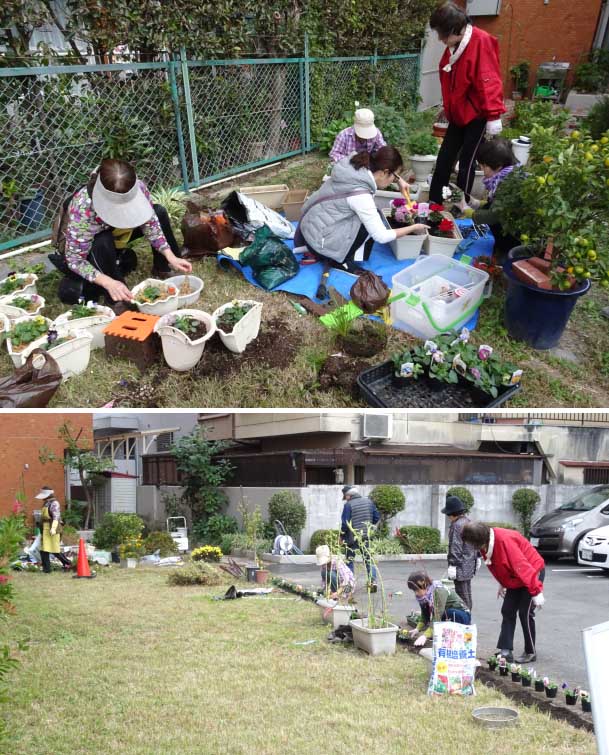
{"type": "Point", "coordinates": [460, 142]}
{"type": "Point", "coordinates": [116, 263]}
{"type": "Point", "coordinates": [519, 603]}
{"type": "Point", "coordinates": [46, 560]}
{"type": "Point", "coordinates": [362, 237]}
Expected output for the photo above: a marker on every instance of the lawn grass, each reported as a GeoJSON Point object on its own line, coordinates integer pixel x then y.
{"type": "Point", "coordinates": [548, 381]}
{"type": "Point", "coordinates": [125, 663]}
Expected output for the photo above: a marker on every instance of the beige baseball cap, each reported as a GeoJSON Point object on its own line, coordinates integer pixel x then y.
{"type": "Point", "coordinates": [363, 124]}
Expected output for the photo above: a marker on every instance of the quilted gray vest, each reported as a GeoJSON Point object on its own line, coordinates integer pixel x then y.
{"type": "Point", "coordinates": [361, 513]}
{"type": "Point", "coordinates": [330, 227]}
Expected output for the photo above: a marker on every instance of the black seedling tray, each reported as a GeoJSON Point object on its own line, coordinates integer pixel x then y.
{"type": "Point", "coordinates": [378, 389]}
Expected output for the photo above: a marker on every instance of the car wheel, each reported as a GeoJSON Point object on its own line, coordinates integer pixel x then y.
{"type": "Point", "coordinates": [575, 554]}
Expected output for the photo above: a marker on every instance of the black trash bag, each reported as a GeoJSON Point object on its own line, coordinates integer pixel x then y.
{"type": "Point", "coordinates": [272, 262]}
{"type": "Point", "coordinates": [31, 387]}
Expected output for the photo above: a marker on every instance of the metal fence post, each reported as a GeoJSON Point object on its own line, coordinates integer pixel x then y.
{"type": "Point", "coordinates": [303, 109]}
{"type": "Point", "coordinates": [190, 117]}
{"type": "Point", "coordinates": [171, 66]}
{"type": "Point", "coordinates": [307, 74]}
{"type": "Point", "coordinates": [374, 73]}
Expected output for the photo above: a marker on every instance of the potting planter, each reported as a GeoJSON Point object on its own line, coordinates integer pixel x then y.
{"type": "Point", "coordinates": [12, 312]}
{"type": "Point", "coordinates": [180, 352]}
{"type": "Point", "coordinates": [292, 204]}
{"type": "Point", "coordinates": [94, 325]}
{"type": "Point", "coordinates": [407, 247]}
{"type": "Point", "coordinates": [569, 700]}
{"type": "Point", "coordinates": [586, 706]}
{"type": "Point", "coordinates": [341, 615]}
{"type": "Point", "coordinates": [325, 606]}
{"type": "Point", "coordinates": [28, 289]}
{"type": "Point", "coordinates": [526, 681]}
{"type": "Point", "coordinates": [422, 166]}
{"type": "Point", "coordinates": [262, 575]}
{"type": "Point", "coordinates": [19, 357]}
{"type": "Point", "coordinates": [442, 245]}
{"type": "Point", "coordinates": [383, 199]}
{"type": "Point", "coordinates": [551, 691]}
{"type": "Point", "coordinates": [168, 303]}
{"type": "Point", "coordinates": [374, 641]}
{"type": "Point", "coordinates": [251, 573]}
{"type": "Point", "coordinates": [504, 670]}
{"type": "Point", "coordinates": [196, 286]}
{"type": "Point", "coordinates": [128, 563]}
{"type": "Point", "coordinates": [515, 676]}
{"type": "Point", "coordinates": [72, 356]}
{"type": "Point", "coordinates": [521, 148]}
{"type": "Point", "coordinates": [539, 685]}
{"type": "Point", "coordinates": [244, 331]}
{"type": "Point", "coordinates": [534, 315]}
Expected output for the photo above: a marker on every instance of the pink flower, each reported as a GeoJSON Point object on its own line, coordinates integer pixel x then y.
{"type": "Point", "coordinates": [484, 352]}
{"type": "Point", "coordinates": [475, 372]}
{"type": "Point", "coordinates": [3, 579]}
{"type": "Point", "coordinates": [17, 508]}
{"type": "Point", "coordinates": [398, 202]}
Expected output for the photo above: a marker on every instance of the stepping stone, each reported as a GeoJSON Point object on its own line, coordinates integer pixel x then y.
{"type": "Point", "coordinates": [565, 354]}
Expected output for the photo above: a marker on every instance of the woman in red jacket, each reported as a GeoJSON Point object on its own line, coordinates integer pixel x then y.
{"type": "Point", "coordinates": [472, 95]}
{"type": "Point", "coordinates": [520, 571]}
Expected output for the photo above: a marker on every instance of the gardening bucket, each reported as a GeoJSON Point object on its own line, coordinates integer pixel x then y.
{"type": "Point", "coordinates": [262, 575]}
{"type": "Point", "coordinates": [251, 573]}
{"type": "Point", "coordinates": [536, 316]}
{"type": "Point", "coordinates": [341, 615]}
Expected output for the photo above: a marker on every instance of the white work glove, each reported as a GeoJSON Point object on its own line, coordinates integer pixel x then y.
{"type": "Point", "coordinates": [494, 127]}
{"type": "Point", "coordinates": [420, 641]}
{"type": "Point", "coordinates": [539, 600]}
{"type": "Point", "coordinates": [452, 572]}
{"type": "Point", "coordinates": [413, 633]}
{"type": "Point", "coordinates": [478, 564]}
{"type": "Point", "coordinates": [54, 528]}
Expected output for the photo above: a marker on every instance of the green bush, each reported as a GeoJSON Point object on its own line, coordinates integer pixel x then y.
{"type": "Point", "coordinates": [329, 133]}
{"type": "Point", "coordinates": [74, 514]}
{"type": "Point", "coordinates": [597, 120]}
{"type": "Point", "coordinates": [160, 541]}
{"type": "Point", "coordinates": [416, 539]}
{"type": "Point", "coordinates": [531, 113]}
{"type": "Point", "coordinates": [324, 537]}
{"type": "Point", "coordinates": [463, 494]}
{"type": "Point", "coordinates": [213, 529]}
{"type": "Point", "coordinates": [502, 525]}
{"type": "Point", "coordinates": [389, 500]}
{"type": "Point", "coordinates": [240, 541]}
{"type": "Point", "coordinates": [391, 123]}
{"type": "Point", "coordinates": [524, 502]}
{"type": "Point", "coordinates": [227, 543]}
{"type": "Point", "coordinates": [196, 573]}
{"type": "Point", "coordinates": [287, 507]}
{"type": "Point", "coordinates": [388, 546]}
{"type": "Point", "coordinates": [593, 74]}
{"type": "Point", "coordinates": [422, 143]}
{"type": "Point", "coordinates": [115, 529]}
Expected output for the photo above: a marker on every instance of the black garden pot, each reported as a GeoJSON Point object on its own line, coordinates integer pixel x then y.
{"type": "Point", "coordinates": [526, 682]}
{"type": "Point", "coordinates": [551, 691]}
{"type": "Point", "coordinates": [539, 685]}
{"type": "Point", "coordinates": [503, 671]}
{"type": "Point", "coordinates": [515, 676]}
{"type": "Point", "coordinates": [586, 706]}
{"type": "Point", "coordinates": [570, 700]}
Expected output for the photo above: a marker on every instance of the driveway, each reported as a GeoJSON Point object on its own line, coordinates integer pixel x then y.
{"type": "Point", "coordinates": [576, 598]}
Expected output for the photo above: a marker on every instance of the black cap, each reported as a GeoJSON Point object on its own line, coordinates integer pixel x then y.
{"type": "Point", "coordinates": [454, 505]}
{"type": "Point", "coordinates": [346, 488]}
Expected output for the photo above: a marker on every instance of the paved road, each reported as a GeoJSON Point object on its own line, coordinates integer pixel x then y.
{"type": "Point", "coordinates": [576, 598]}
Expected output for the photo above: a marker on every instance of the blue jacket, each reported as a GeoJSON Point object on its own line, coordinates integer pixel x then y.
{"type": "Point", "coordinates": [359, 512]}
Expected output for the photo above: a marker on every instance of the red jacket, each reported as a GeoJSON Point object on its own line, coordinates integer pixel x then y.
{"type": "Point", "coordinates": [514, 561]}
{"type": "Point", "coordinates": [473, 88]}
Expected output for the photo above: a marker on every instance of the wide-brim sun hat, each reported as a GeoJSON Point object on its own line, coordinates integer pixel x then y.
{"type": "Point", "coordinates": [363, 124]}
{"type": "Point", "coordinates": [322, 555]}
{"type": "Point", "coordinates": [44, 493]}
{"type": "Point", "coordinates": [130, 209]}
{"type": "Point", "coordinates": [454, 505]}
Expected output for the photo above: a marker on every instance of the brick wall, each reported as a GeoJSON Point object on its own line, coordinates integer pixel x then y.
{"type": "Point", "coordinates": [530, 30]}
{"type": "Point", "coordinates": [21, 438]}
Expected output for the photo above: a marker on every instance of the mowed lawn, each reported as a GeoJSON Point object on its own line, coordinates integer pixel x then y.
{"type": "Point", "coordinates": [127, 664]}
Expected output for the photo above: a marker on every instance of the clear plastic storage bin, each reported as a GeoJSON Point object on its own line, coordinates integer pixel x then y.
{"type": "Point", "coordinates": [441, 294]}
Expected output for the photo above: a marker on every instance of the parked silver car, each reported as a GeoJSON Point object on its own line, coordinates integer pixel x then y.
{"type": "Point", "coordinates": [559, 532]}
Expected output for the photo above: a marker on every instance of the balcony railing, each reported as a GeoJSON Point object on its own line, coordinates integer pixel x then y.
{"type": "Point", "coordinates": [578, 419]}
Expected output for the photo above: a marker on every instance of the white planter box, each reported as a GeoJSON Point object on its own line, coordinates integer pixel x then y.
{"type": "Point", "coordinates": [180, 352]}
{"type": "Point", "coordinates": [245, 331]}
{"type": "Point", "coordinates": [128, 563]}
{"type": "Point", "coordinates": [439, 245]}
{"type": "Point", "coordinates": [196, 284]}
{"type": "Point", "coordinates": [94, 325]}
{"type": "Point", "coordinates": [28, 289]}
{"type": "Point", "coordinates": [170, 304]}
{"type": "Point", "coordinates": [12, 312]}
{"type": "Point", "coordinates": [271, 196]}
{"type": "Point", "coordinates": [521, 151]}
{"type": "Point", "coordinates": [325, 609]}
{"type": "Point", "coordinates": [422, 166]}
{"type": "Point", "coordinates": [341, 615]}
{"type": "Point", "coordinates": [407, 247]}
{"type": "Point", "coordinates": [19, 357]}
{"type": "Point", "coordinates": [374, 641]}
{"type": "Point", "coordinates": [72, 356]}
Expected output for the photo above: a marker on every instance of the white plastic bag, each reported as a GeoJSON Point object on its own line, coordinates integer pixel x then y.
{"type": "Point", "coordinates": [254, 214]}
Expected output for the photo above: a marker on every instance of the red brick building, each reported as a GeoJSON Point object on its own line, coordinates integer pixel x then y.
{"type": "Point", "coordinates": [22, 436]}
{"type": "Point", "coordinates": [540, 30]}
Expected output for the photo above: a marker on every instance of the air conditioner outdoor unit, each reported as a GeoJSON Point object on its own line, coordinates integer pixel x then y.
{"type": "Point", "coordinates": [377, 426]}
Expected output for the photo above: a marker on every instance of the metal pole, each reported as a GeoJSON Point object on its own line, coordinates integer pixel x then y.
{"type": "Point", "coordinates": [307, 91]}
{"type": "Point", "coordinates": [190, 117]}
{"type": "Point", "coordinates": [303, 110]}
{"type": "Point", "coordinates": [176, 106]}
{"type": "Point", "coordinates": [374, 72]}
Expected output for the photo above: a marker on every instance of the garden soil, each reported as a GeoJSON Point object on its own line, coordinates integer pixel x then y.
{"type": "Point", "coordinates": [341, 372]}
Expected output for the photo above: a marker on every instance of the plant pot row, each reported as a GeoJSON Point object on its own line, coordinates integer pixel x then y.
{"type": "Point", "coordinates": [539, 686]}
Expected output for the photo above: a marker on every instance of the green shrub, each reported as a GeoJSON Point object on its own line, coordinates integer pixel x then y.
{"type": "Point", "coordinates": [530, 113]}
{"type": "Point", "coordinates": [388, 546]}
{"type": "Point", "coordinates": [329, 133]}
{"type": "Point", "coordinates": [503, 525]}
{"type": "Point", "coordinates": [197, 573]}
{"type": "Point", "coordinates": [206, 553]}
{"type": "Point", "coordinates": [416, 539]}
{"type": "Point", "coordinates": [524, 502]}
{"type": "Point", "coordinates": [593, 74]}
{"type": "Point", "coordinates": [160, 541]}
{"type": "Point", "coordinates": [74, 514]}
{"type": "Point", "coordinates": [70, 535]}
{"type": "Point", "coordinates": [227, 543]}
{"type": "Point", "coordinates": [391, 123]}
{"type": "Point", "coordinates": [213, 529]}
{"type": "Point", "coordinates": [324, 537]}
{"type": "Point", "coordinates": [287, 507]}
{"type": "Point", "coordinates": [597, 120]}
{"type": "Point", "coordinates": [463, 494]}
{"type": "Point", "coordinates": [389, 500]}
{"type": "Point", "coordinates": [115, 529]}
{"type": "Point", "coordinates": [240, 541]}
{"type": "Point", "coordinates": [422, 143]}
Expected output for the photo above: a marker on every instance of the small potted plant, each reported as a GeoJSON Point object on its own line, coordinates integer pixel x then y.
{"type": "Point", "coordinates": [526, 676]}
{"type": "Point", "coordinates": [155, 297]}
{"type": "Point", "coordinates": [88, 316]}
{"type": "Point", "coordinates": [550, 687]}
{"type": "Point", "coordinates": [444, 237]}
{"type": "Point", "coordinates": [26, 334]}
{"type": "Point", "coordinates": [515, 671]}
{"type": "Point", "coordinates": [423, 149]}
{"type": "Point", "coordinates": [18, 283]}
{"type": "Point", "coordinates": [262, 574]}
{"type": "Point", "coordinates": [70, 349]}
{"type": "Point", "coordinates": [400, 215]}
{"type": "Point", "coordinates": [238, 323]}
{"type": "Point", "coordinates": [130, 551]}
{"type": "Point", "coordinates": [493, 662]}
{"type": "Point", "coordinates": [584, 696]}
{"type": "Point", "coordinates": [184, 334]}
{"type": "Point", "coordinates": [503, 666]}
{"type": "Point", "coordinates": [19, 305]}
{"type": "Point", "coordinates": [538, 683]}
{"type": "Point", "coordinates": [189, 289]}
{"type": "Point", "coordinates": [571, 695]}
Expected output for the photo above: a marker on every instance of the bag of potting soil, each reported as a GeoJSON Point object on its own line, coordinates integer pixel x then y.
{"type": "Point", "coordinates": [32, 385]}
{"type": "Point", "coordinates": [272, 262]}
{"type": "Point", "coordinates": [369, 292]}
{"type": "Point", "coordinates": [248, 215]}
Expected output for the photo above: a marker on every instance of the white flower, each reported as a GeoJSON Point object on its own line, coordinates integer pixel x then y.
{"type": "Point", "coordinates": [446, 192]}
{"type": "Point", "coordinates": [430, 347]}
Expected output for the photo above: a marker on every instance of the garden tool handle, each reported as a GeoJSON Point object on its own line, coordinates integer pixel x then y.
{"type": "Point", "coordinates": [322, 290]}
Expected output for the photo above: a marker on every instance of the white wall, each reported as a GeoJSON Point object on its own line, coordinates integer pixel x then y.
{"type": "Point", "coordinates": [429, 89]}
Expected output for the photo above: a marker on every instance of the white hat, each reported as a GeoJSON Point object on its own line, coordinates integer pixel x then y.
{"type": "Point", "coordinates": [130, 209]}
{"type": "Point", "coordinates": [45, 492]}
{"type": "Point", "coordinates": [322, 554]}
{"type": "Point", "coordinates": [363, 124]}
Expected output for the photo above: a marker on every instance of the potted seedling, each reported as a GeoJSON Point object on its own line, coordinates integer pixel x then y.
{"type": "Point", "coordinates": [493, 662]}
{"type": "Point", "coordinates": [155, 297]}
{"type": "Point", "coordinates": [189, 289]}
{"type": "Point", "coordinates": [538, 683]}
{"type": "Point", "coordinates": [571, 695]}
{"type": "Point", "coordinates": [91, 317]}
{"type": "Point", "coordinates": [184, 334]}
{"type": "Point", "coordinates": [551, 688]}
{"type": "Point", "coordinates": [444, 235]}
{"type": "Point", "coordinates": [26, 334]}
{"type": "Point", "coordinates": [238, 323]}
{"type": "Point", "coordinates": [130, 551]}
{"type": "Point", "coordinates": [375, 634]}
{"type": "Point", "coordinates": [526, 676]}
{"type": "Point", "coordinates": [503, 666]}
{"type": "Point", "coordinates": [423, 149]}
{"type": "Point", "coordinates": [515, 671]}
{"type": "Point", "coordinates": [70, 349]}
{"type": "Point", "coordinates": [18, 283]}
{"type": "Point", "coordinates": [400, 215]}
{"type": "Point", "coordinates": [584, 696]}
{"type": "Point", "coordinates": [19, 305]}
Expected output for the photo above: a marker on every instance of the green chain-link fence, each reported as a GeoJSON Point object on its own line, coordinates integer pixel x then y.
{"type": "Point", "coordinates": [183, 123]}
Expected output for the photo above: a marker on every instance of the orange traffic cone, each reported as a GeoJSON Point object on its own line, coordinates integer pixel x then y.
{"type": "Point", "coordinates": [82, 567]}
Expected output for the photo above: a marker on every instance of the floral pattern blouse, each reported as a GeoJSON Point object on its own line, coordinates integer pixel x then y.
{"type": "Point", "coordinates": [84, 224]}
